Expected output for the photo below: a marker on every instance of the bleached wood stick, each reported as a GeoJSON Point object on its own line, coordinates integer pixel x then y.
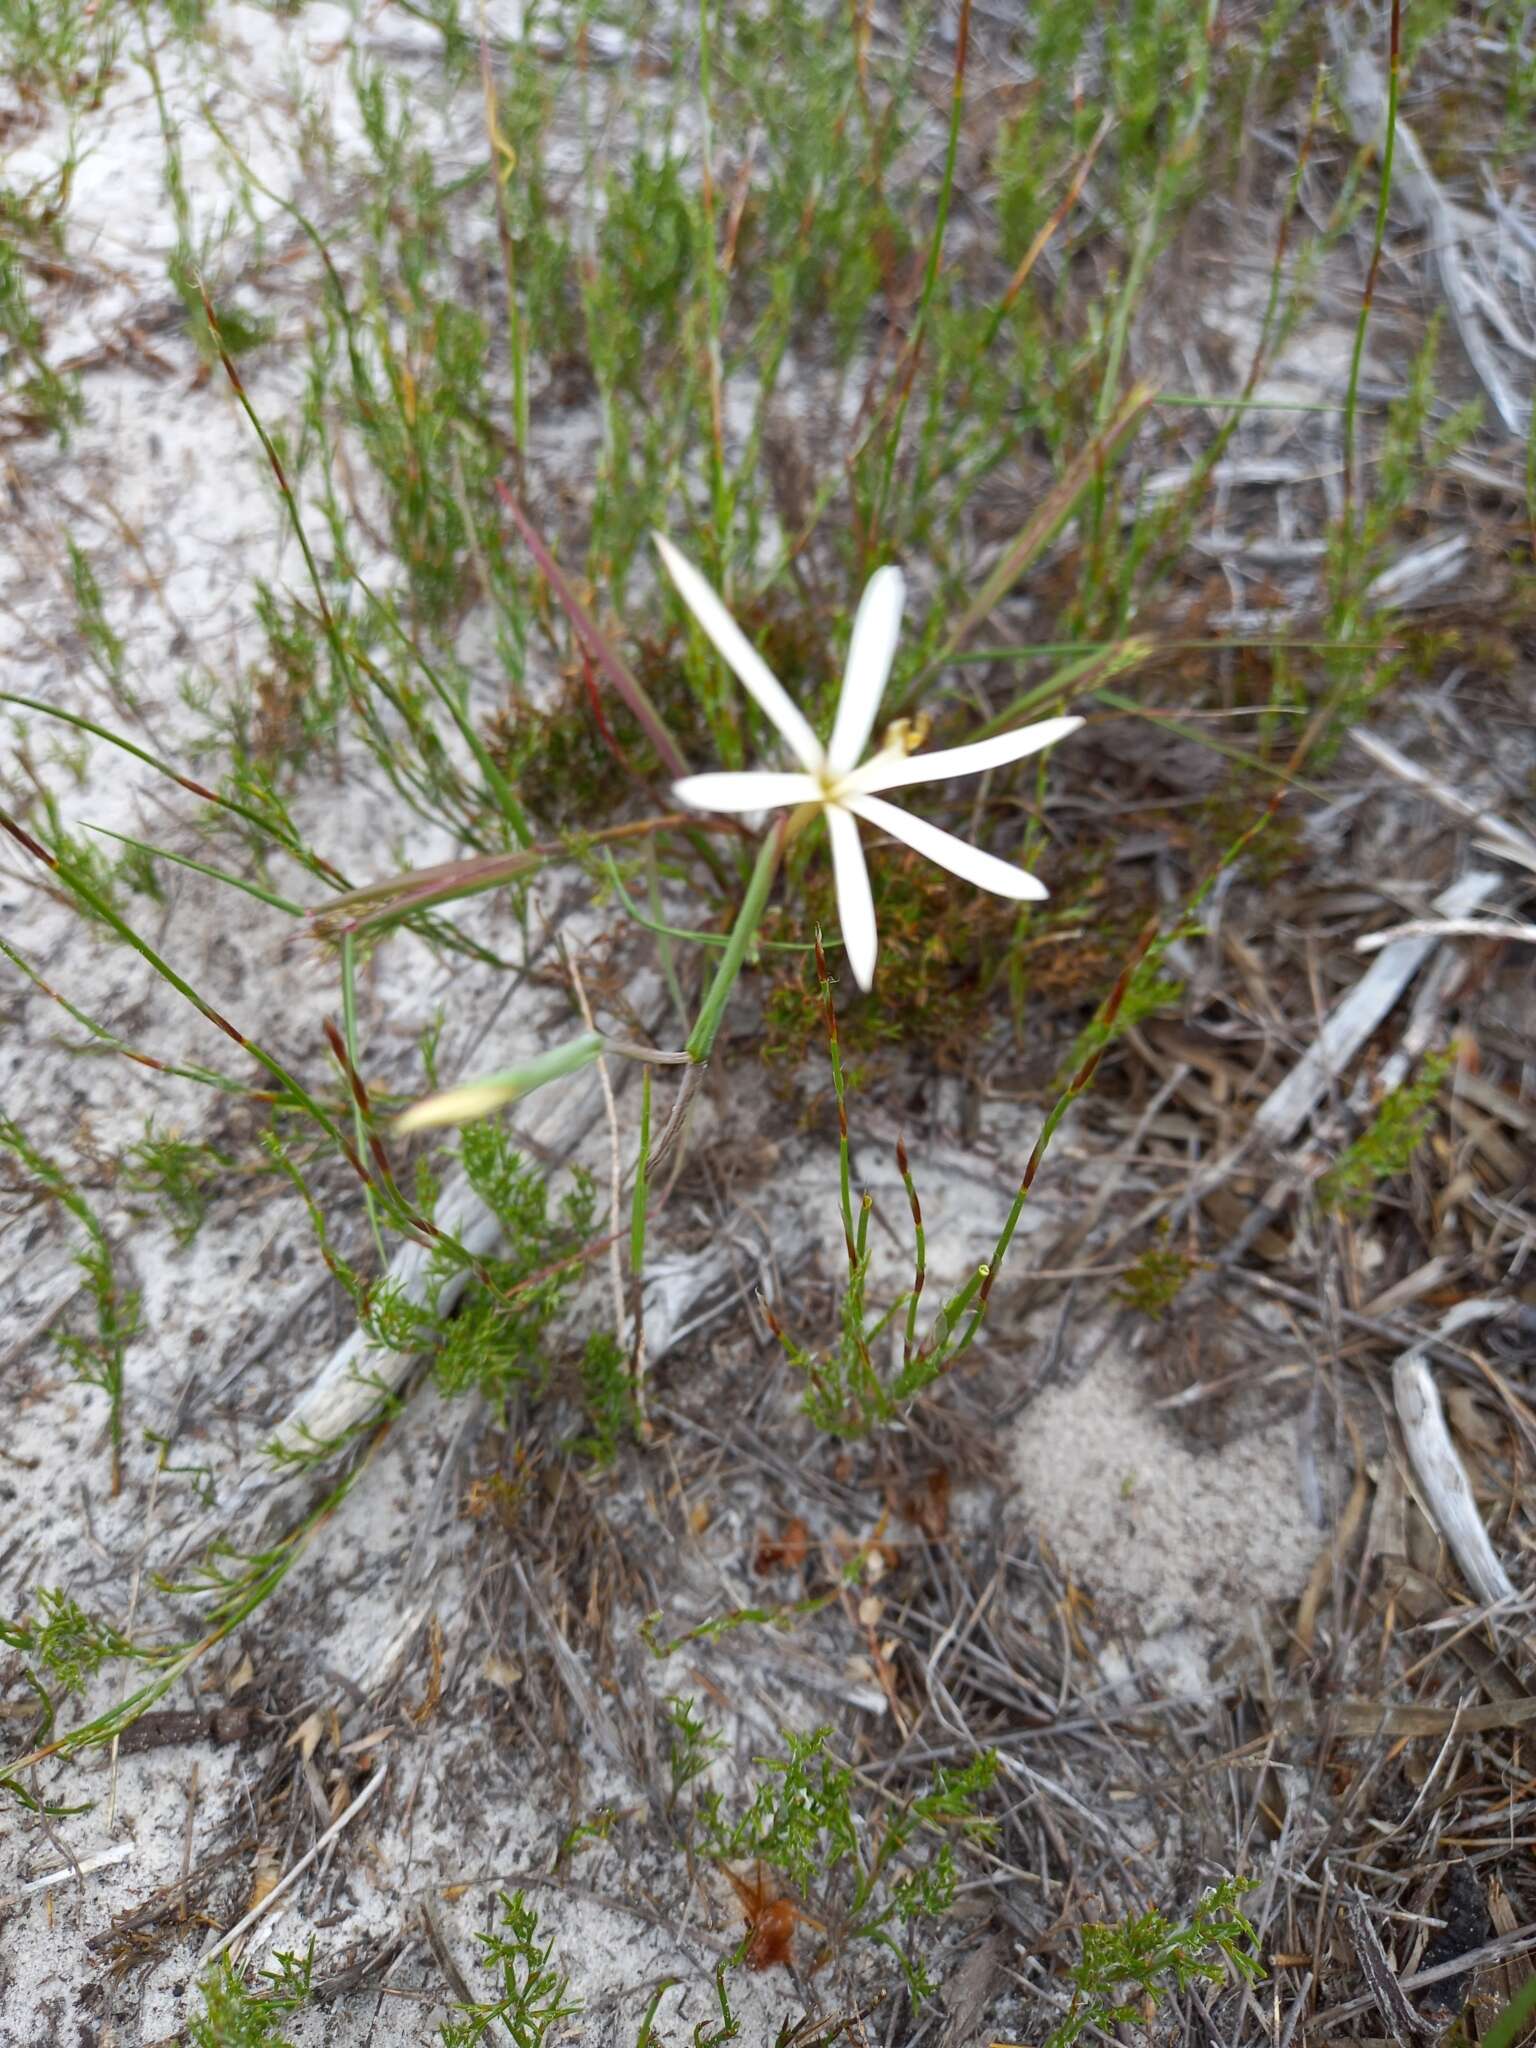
{"type": "Point", "coordinates": [345, 1393]}
{"type": "Point", "coordinates": [1346, 1028]}
{"type": "Point", "coordinates": [68, 1872]}
{"type": "Point", "coordinates": [1443, 1480]}
{"type": "Point", "coordinates": [1449, 928]}
{"type": "Point", "coordinates": [1417, 574]}
{"type": "Point", "coordinates": [1505, 838]}
{"type": "Point", "coordinates": [1449, 230]}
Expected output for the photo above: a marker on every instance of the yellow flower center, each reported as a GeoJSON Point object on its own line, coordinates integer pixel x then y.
{"type": "Point", "coordinates": [903, 736]}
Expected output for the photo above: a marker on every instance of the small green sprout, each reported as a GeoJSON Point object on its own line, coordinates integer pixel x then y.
{"type": "Point", "coordinates": [1384, 1149]}
{"type": "Point", "coordinates": [706, 2035]}
{"type": "Point", "coordinates": [177, 1172]}
{"type": "Point", "coordinates": [693, 1748]}
{"type": "Point", "coordinates": [103, 642]}
{"type": "Point", "coordinates": [1157, 1279]}
{"type": "Point", "coordinates": [802, 1822]}
{"type": "Point", "coordinates": [532, 2001]}
{"type": "Point", "coordinates": [608, 1394]}
{"type": "Point", "coordinates": [1150, 1953]}
{"type": "Point", "coordinates": [236, 2016]}
{"type": "Point", "coordinates": [67, 1647]}
{"type": "Point", "coordinates": [599, 1828]}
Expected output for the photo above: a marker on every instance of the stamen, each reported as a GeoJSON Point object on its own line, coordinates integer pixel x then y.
{"type": "Point", "coordinates": [904, 736]}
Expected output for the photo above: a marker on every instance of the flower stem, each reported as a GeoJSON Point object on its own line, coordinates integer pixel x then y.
{"type": "Point", "coordinates": [845, 1189]}
{"type": "Point", "coordinates": [748, 918]}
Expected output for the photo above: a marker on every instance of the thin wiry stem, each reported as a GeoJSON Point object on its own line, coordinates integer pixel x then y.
{"type": "Point", "coordinates": [712, 309]}
{"type": "Point", "coordinates": [839, 1089]}
{"type": "Point", "coordinates": [647, 717]}
{"type": "Point", "coordinates": [637, 1226]}
{"type": "Point", "coordinates": [906, 371]}
{"type": "Point", "coordinates": [1368, 296]}
{"type": "Point", "coordinates": [919, 1252]}
{"type": "Point", "coordinates": [702, 1039]}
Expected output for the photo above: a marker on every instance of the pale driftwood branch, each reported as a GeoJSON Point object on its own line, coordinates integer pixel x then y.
{"type": "Point", "coordinates": [1443, 1480]}
{"type": "Point", "coordinates": [280, 1482]}
{"type": "Point", "coordinates": [1346, 1028]}
{"type": "Point", "coordinates": [1449, 928]}
{"type": "Point", "coordinates": [350, 1384]}
{"type": "Point", "coordinates": [1425, 1027]}
{"type": "Point", "coordinates": [1450, 232]}
{"type": "Point", "coordinates": [66, 1873]}
{"type": "Point", "coordinates": [1417, 574]}
{"type": "Point", "coordinates": [345, 1394]}
{"type": "Point", "coordinates": [1500, 836]}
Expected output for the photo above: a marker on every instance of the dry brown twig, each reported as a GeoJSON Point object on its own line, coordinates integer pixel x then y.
{"type": "Point", "coordinates": [291, 1877]}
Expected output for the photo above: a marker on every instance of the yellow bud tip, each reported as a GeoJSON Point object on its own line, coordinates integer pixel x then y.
{"type": "Point", "coordinates": [454, 1106]}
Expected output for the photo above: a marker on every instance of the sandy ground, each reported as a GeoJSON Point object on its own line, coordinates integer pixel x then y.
{"type": "Point", "coordinates": [1174, 1543]}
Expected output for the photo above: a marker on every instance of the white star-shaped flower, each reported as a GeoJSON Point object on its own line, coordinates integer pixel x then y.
{"type": "Point", "coordinates": [833, 778]}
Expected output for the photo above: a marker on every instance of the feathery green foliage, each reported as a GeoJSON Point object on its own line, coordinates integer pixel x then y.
{"type": "Point", "coordinates": [96, 1357]}
{"type": "Point", "coordinates": [868, 1875]}
{"type": "Point", "coordinates": [235, 2015]}
{"type": "Point", "coordinates": [532, 1997]}
{"type": "Point", "coordinates": [1386, 1147]}
{"type": "Point", "coordinates": [1152, 1954]}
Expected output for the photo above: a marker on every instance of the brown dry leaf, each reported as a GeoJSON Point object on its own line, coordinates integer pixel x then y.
{"type": "Point", "coordinates": [928, 1506]}
{"type": "Point", "coordinates": [1378, 1720]}
{"type": "Point", "coordinates": [1228, 1212]}
{"type": "Point", "coordinates": [970, 1990]}
{"type": "Point", "coordinates": [1508, 1167]}
{"type": "Point", "coordinates": [771, 1921]}
{"type": "Point", "coordinates": [1329, 1559]}
{"type": "Point", "coordinates": [1472, 1421]}
{"type": "Point", "coordinates": [362, 1743]}
{"type": "Point", "coordinates": [787, 1554]}
{"type": "Point", "coordinates": [871, 1607]}
{"type": "Point", "coordinates": [264, 1876]}
{"type": "Point", "coordinates": [241, 1676]}
{"type": "Point", "coordinates": [503, 1673]}
{"type": "Point", "coordinates": [1464, 1188]}
{"type": "Point", "coordinates": [434, 1691]}
{"type": "Point", "coordinates": [1496, 1985]}
{"type": "Point", "coordinates": [306, 1737]}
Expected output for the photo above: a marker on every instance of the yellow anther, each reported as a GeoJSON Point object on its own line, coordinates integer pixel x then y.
{"type": "Point", "coordinates": [906, 735]}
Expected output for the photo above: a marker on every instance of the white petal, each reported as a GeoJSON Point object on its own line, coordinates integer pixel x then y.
{"type": "Point", "coordinates": [946, 851]}
{"type": "Point", "coordinates": [855, 903]}
{"type": "Point", "coordinates": [870, 654]}
{"type": "Point", "coordinates": [738, 652]}
{"type": "Point", "coordinates": [752, 792]}
{"type": "Point", "coordinates": [975, 759]}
